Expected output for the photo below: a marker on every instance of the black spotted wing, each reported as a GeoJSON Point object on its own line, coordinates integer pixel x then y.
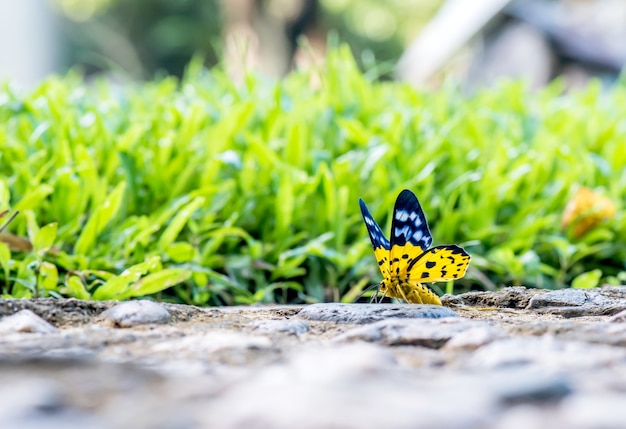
{"type": "Point", "coordinates": [379, 241]}
{"type": "Point", "coordinates": [410, 236]}
{"type": "Point", "coordinates": [439, 264]}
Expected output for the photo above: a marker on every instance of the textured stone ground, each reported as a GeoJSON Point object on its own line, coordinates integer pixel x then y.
{"type": "Point", "coordinates": [512, 359]}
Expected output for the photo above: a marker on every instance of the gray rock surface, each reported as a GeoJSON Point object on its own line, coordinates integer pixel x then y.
{"type": "Point", "coordinates": [296, 327]}
{"type": "Point", "coordinates": [134, 313]}
{"type": "Point", "coordinates": [581, 302]}
{"type": "Point", "coordinates": [498, 360]}
{"type": "Point", "coordinates": [619, 317]}
{"type": "Point", "coordinates": [426, 333]}
{"type": "Point", "coordinates": [368, 313]}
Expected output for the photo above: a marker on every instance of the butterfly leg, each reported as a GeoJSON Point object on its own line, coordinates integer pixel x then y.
{"type": "Point", "coordinates": [415, 298]}
{"type": "Point", "coordinates": [374, 298]}
{"type": "Point", "coordinates": [367, 289]}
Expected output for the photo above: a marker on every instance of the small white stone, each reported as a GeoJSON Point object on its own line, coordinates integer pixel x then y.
{"type": "Point", "coordinates": [133, 313]}
{"type": "Point", "coordinates": [25, 321]}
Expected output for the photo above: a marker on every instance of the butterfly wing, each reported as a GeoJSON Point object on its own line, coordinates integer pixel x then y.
{"type": "Point", "coordinates": [410, 236]}
{"type": "Point", "coordinates": [408, 261]}
{"type": "Point", "coordinates": [379, 241]}
{"type": "Point", "coordinates": [439, 264]}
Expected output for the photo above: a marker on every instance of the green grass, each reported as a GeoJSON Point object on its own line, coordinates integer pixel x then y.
{"type": "Point", "coordinates": [209, 192]}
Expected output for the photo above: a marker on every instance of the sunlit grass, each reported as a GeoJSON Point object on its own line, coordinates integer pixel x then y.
{"type": "Point", "coordinates": [208, 192]}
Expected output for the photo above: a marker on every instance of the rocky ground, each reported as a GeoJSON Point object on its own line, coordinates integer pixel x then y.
{"type": "Point", "coordinates": [518, 358]}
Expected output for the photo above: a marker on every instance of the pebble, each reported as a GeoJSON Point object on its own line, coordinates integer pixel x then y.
{"type": "Point", "coordinates": [294, 327]}
{"type": "Point", "coordinates": [559, 298]}
{"type": "Point", "coordinates": [25, 321]}
{"type": "Point", "coordinates": [368, 313]}
{"type": "Point", "coordinates": [134, 313]}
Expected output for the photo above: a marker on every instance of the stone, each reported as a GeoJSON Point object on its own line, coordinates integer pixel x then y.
{"type": "Point", "coordinates": [612, 292]}
{"type": "Point", "coordinates": [426, 333]}
{"type": "Point", "coordinates": [368, 313]}
{"type": "Point", "coordinates": [25, 321]}
{"type": "Point", "coordinates": [508, 297]}
{"type": "Point", "coordinates": [134, 313]}
{"type": "Point", "coordinates": [294, 327]}
{"type": "Point", "coordinates": [595, 332]}
{"type": "Point", "coordinates": [559, 298]}
{"type": "Point", "coordinates": [580, 302]}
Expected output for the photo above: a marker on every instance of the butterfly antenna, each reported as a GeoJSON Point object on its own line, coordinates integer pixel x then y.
{"type": "Point", "coordinates": [367, 289]}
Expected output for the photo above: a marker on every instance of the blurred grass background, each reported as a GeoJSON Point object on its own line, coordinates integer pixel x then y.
{"type": "Point", "coordinates": [205, 191]}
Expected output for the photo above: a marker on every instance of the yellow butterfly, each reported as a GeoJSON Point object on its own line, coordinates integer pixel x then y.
{"type": "Point", "coordinates": [409, 260]}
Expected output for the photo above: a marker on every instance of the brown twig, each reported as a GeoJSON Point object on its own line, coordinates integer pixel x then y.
{"type": "Point", "coordinates": [2, 214]}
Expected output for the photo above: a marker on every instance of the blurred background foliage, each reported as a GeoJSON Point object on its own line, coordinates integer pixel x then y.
{"type": "Point", "coordinates": [424, 42]}
{"type": "Point", "coordinates": [140, 37]}
{"type": "Point", "coordinates": [206, 191]}
{"type": "Point", "coordinates": [212, 152]}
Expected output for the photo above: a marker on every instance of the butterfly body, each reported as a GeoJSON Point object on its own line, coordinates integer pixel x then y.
{"type": "Point", "coordinates": [409, 291]}
{"type": "Point", "coordinates": [407, 261]}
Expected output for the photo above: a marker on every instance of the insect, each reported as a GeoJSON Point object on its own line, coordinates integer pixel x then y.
{"type": "Point", "coordinates": [408, 260]}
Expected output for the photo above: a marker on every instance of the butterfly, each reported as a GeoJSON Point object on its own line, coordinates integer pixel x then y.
{"type": "Point", "coordinates": [408, 260]}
